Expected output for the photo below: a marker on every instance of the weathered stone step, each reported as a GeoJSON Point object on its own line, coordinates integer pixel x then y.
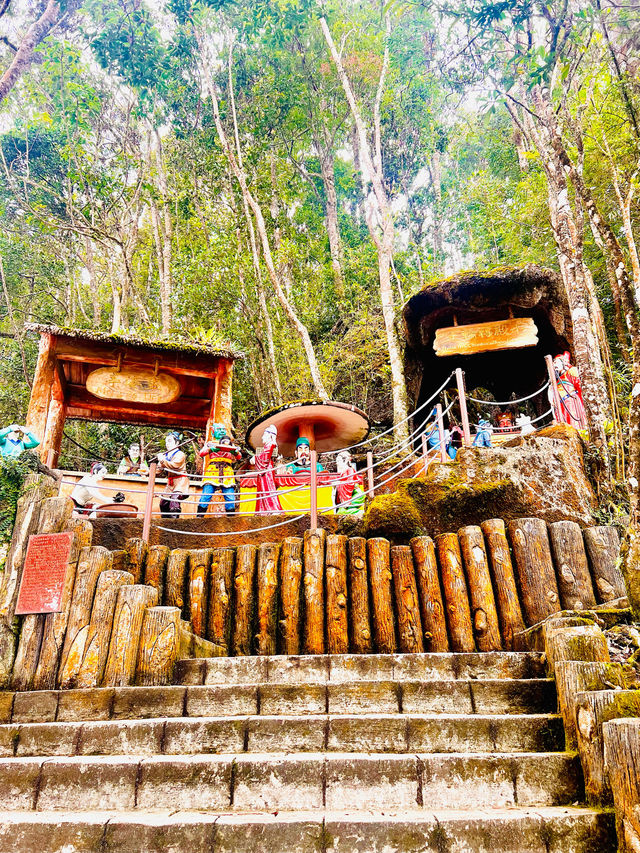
{"type": "Point", "coordinates": [520, 830]}
{"type": "Point", "coordinates": [267, 782]}
{"type": "Point", "coordinates": [498, 696]}
{"type": "Point", "coordinates": [320, 669]}
{"type": "Point", "coordinates": [396, 733]}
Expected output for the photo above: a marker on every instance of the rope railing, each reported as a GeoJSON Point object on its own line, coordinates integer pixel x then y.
{"type": "Point", "coordinates": [509, 402]}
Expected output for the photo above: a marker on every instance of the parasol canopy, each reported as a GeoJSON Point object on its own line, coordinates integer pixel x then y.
{"type": "Point", "coordinates": [327, 424]}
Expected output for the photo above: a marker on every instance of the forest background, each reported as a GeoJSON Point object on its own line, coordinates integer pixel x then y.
{"type": "Point", "coordinates": [281, 175]}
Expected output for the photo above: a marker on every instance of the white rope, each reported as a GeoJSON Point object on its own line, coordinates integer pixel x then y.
{"type": "Point", "coordinates": [231, 532]}
{"type": "Point", "coordinates": [509, 402]}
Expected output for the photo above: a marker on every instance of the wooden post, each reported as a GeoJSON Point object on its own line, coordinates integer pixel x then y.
{"type": "Point", "coordinates": [92, 562]}
{"type": "Point", "coordinates": [56, 416]}
{"type": "Point", "coordinates": [131, 604]}
{"type": "Point", "coordinates": [407, 606]}
{"type": "Point", "coordinates": [221, 598]}
{"type": "Point", "coordinates": [572, 571]}
{"type": "Point", "coordinates": [50, 458]}
{"type": "Point", "coordinates": [96, 646]}
{"type": "Point", "coordinates": [148, 501]}
{"type": "Point", "coordinates": [245, 603]}
{"type": "Point", "coordinates": [575, 642]}
{"type": "Point", "coordinates": [336, 583]}
{"type": "Point", "coordinates": [590, 710]}
{"type": "Point", "coordinates": [370, 485]}
{"type": "Point", "coordinates": [199, 562]}
{"type": "Point", "coordinates": [291, 593]}
{"type": "Point", "coordinates": [313, 584]}
{"type": "Point", "coordinates": [455, 593]}
{"type": "Point", "coordinates": [138, 550]}
{"type": "Point", "coordinates": [504, 582]}
{"type": "Point", "coordinates": [462, 398]}
{"type": "Point", "coordinates": [434, 626]}
{"type": "Point", "coordinates": [359, 590]}
{"type": "Point", "coordinates": [159, 643]}
{"type": "Point", "coordinates": [483, 604]}
{"type": "Point", "coordinates": [603, 548]}
{"type": "Point", "coordinates": [120, 560]}
{"type": "Point", "coordinates": [41, 391]}
{"type": "Point", "coordinates": [425, 454]}
{"type": "Point", "coordinates": [443, 449]}
{"type": "Point", "coordinates": [268, 553]}
{"type": "Point", "coordinates": [557, 405]}
{"type": "Point", "coordinates": [540, 596]}
{"type": "Point", "coordinates": [154, 570]}
{"type": "Point", "coordinates": [175, 590]}
{"type": "Point", "coordinates": [575, 676]}
{"type": "Point", "coordinates": [622, 759]}
{"type": "Point", "coordinates": [314, 490]}
{"type": "Point", "coordinates": [55, 624]}
{"type": "Point", "coordinates": [378, 553]}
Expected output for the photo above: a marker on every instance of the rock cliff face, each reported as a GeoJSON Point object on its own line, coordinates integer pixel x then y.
{"type": "Point", "coordinates": [540, 475]}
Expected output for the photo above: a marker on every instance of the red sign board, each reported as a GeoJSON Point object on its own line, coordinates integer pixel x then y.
{"type": "Point", "coordinates": [45, 568]}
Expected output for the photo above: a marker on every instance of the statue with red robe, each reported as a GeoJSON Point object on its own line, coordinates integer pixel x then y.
{"type": "Point", "coordinates": [570, 392]}
{"type": "Point", "coordinates": [267, 499]}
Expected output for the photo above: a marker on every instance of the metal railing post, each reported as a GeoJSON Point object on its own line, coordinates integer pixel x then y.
{"type": "Point", "coordinates": [464, 416]}
{"type": "Point", "coordinates": [370, 486]}
{"type": "Point", "coordinates": [443, 449]}
{"type": "Point", "coordinates": [314, 490]}
{"type": "Point", "coordinates": [557, 405]}
{"type": "Point", "coordinates": [425, 454]}
{"type": "Point", "coordinates": [148, 501]}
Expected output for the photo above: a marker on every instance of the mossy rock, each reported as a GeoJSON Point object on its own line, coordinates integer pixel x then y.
{"type": "Point", "coordinates": [395, 516]}
{"type": "Point", "coordinates": [626, 704]}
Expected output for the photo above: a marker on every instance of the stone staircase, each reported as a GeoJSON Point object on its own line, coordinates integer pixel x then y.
{"type": "Point", "coordinates": [437, 753]}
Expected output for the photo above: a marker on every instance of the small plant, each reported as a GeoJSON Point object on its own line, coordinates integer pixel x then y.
{"type": "Point", "coordinates": [13, 473]}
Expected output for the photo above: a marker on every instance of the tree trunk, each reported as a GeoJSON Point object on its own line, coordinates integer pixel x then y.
{"type": "Point", "coordinates": [199, 562]}
{"type": "Point", "coordinates": [622, 758]}
{"type": "Point", "coordinates": [220, 598]}
{"type": "Point", "coordinates": [455, 593]}
{"type": "Point", "coordinates": [245, 603]}
{"type": "Point", "coordinates": [575, 642]}
{"type": "Point", "coordinates": [406, 596]}
{"type": "Point", "coordinates": [504, 582]}
{"type": "Point", "coordinates": [331, 212]}
{"type": "Point", "coordinates": [267, 572]}
{"type": "Point", "coordinates": [434, 624]}
{"type": "Point", "coordinates": [96, 646]}
{"type": "Point", "coordinates": [291, 595]}
{"type": "Point", "coordinates": [155, 568]}
{"type": "Point", "coordinates": [538, 586]}
{"type": "Point", "coordinates": [603, 548]}
{"type": "Point", "coordinates": [336, 583]}
{"type": "Point", "coordinates": [313, 583]}
{"type": "Point", "coordinates": [55, 624]}
{"type": "Point", "coordinates": [159, 644]}
{"type": "Point", "coordinates": [573, 677]}
{"type": "Point", "coordinates": [92, 562]}
{"type": "Point", "coordinates": [572, 571]}
{"type": "Point", "coordinates": [23, 57]}
{"type": "Point", "coordinates": [122, 657]}
{"type": "Point", "coordinates": [483, 605]}
{"type": "Point", "coordinates": [378, 553]}
{"type": "Point", "coordinates": [138, 550]}
{"type": "Point", "coordinates": [359, 596]}
{"type": "Point", "coordinates": [176, 587]}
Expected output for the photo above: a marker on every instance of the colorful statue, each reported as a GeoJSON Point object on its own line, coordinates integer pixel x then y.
{"type": "Point", "coordinates": [219, 456]}
{"type": "Point", "coordinates": [86, 495]}
{"type": "Point", "coordinates": [14, 439]}
{"type": "Point", "coordinates": [506, 420]}
{"type": "Point", "coordinates": [348, 494]}
{"type": "Point", "coordinates": [482, 437]}
{"type": "Point", "coordinates": [133, 464]}
{"type": "Point", "coordinates": [302, 463]}
{"type": "Point", "coordinates": [570, 392]}
{"type": "Point", "coordinates": [433, 436]}
{"type": "Point", "coordinates": [174, 462]}
{"type": "Point", "coordinates": [525, 425]}
{"type": "Point", "coordinates": [267, 499]}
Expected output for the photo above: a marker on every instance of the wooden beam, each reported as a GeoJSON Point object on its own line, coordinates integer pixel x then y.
{"type": "Point", "coordinates": [184, 407]}
{"type": "Point", "coordinates": [158, 419]}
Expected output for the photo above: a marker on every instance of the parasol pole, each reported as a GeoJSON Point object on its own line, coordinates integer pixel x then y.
{"type": "Point", "coordinates": [314, 490]}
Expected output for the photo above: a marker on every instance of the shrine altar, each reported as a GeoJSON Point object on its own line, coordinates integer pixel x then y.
{"type": "Point", "coordinates": [294, 491]}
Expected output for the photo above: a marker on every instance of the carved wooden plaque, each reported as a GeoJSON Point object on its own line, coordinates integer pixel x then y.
{"type": "Point", "coordinates": [134, 385]}
{"type": "Point", "coordinates": [515, 333]}
{"type": "Point", "coordinates": [45, 568]}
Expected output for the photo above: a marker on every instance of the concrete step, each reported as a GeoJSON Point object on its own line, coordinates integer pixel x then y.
{"type": "Point", "coordinates": [267, 782]}
{"type": "Point", "coordinates": [488, 696]}
{"type": "Point", "coordinates": [321, 669]}
{"type": "Point", "coordinates": [519, 830]}
{"type": "Point", "coordinates": [397, 733]}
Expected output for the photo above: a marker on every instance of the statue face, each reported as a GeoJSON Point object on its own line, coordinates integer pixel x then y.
{"type": "Point", "coordinates": [134, 452]}
{"type": "Point", "coordinates": [558, 364]}
{"type": "Point", "coordinates": [270, 435]}
{"type": "Point", "coordinates": [343, 462]}
{"type": "Point", "coordinates": [170, 442]}
{"type": "Point", "coordinates": [303, 453]}
{"type": "Point", "coordinates": [16, 435]}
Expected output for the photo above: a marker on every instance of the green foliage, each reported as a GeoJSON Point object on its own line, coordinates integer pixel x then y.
{"type": "Point", "coordinates": [13, 473]}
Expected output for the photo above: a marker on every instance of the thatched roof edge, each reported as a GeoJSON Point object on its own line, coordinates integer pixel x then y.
{"type": "Point", "coordinates": [119, 339]}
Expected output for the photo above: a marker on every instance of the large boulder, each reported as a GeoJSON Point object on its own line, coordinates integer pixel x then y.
{"type": "Point", "coordinates": [539, 475]}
